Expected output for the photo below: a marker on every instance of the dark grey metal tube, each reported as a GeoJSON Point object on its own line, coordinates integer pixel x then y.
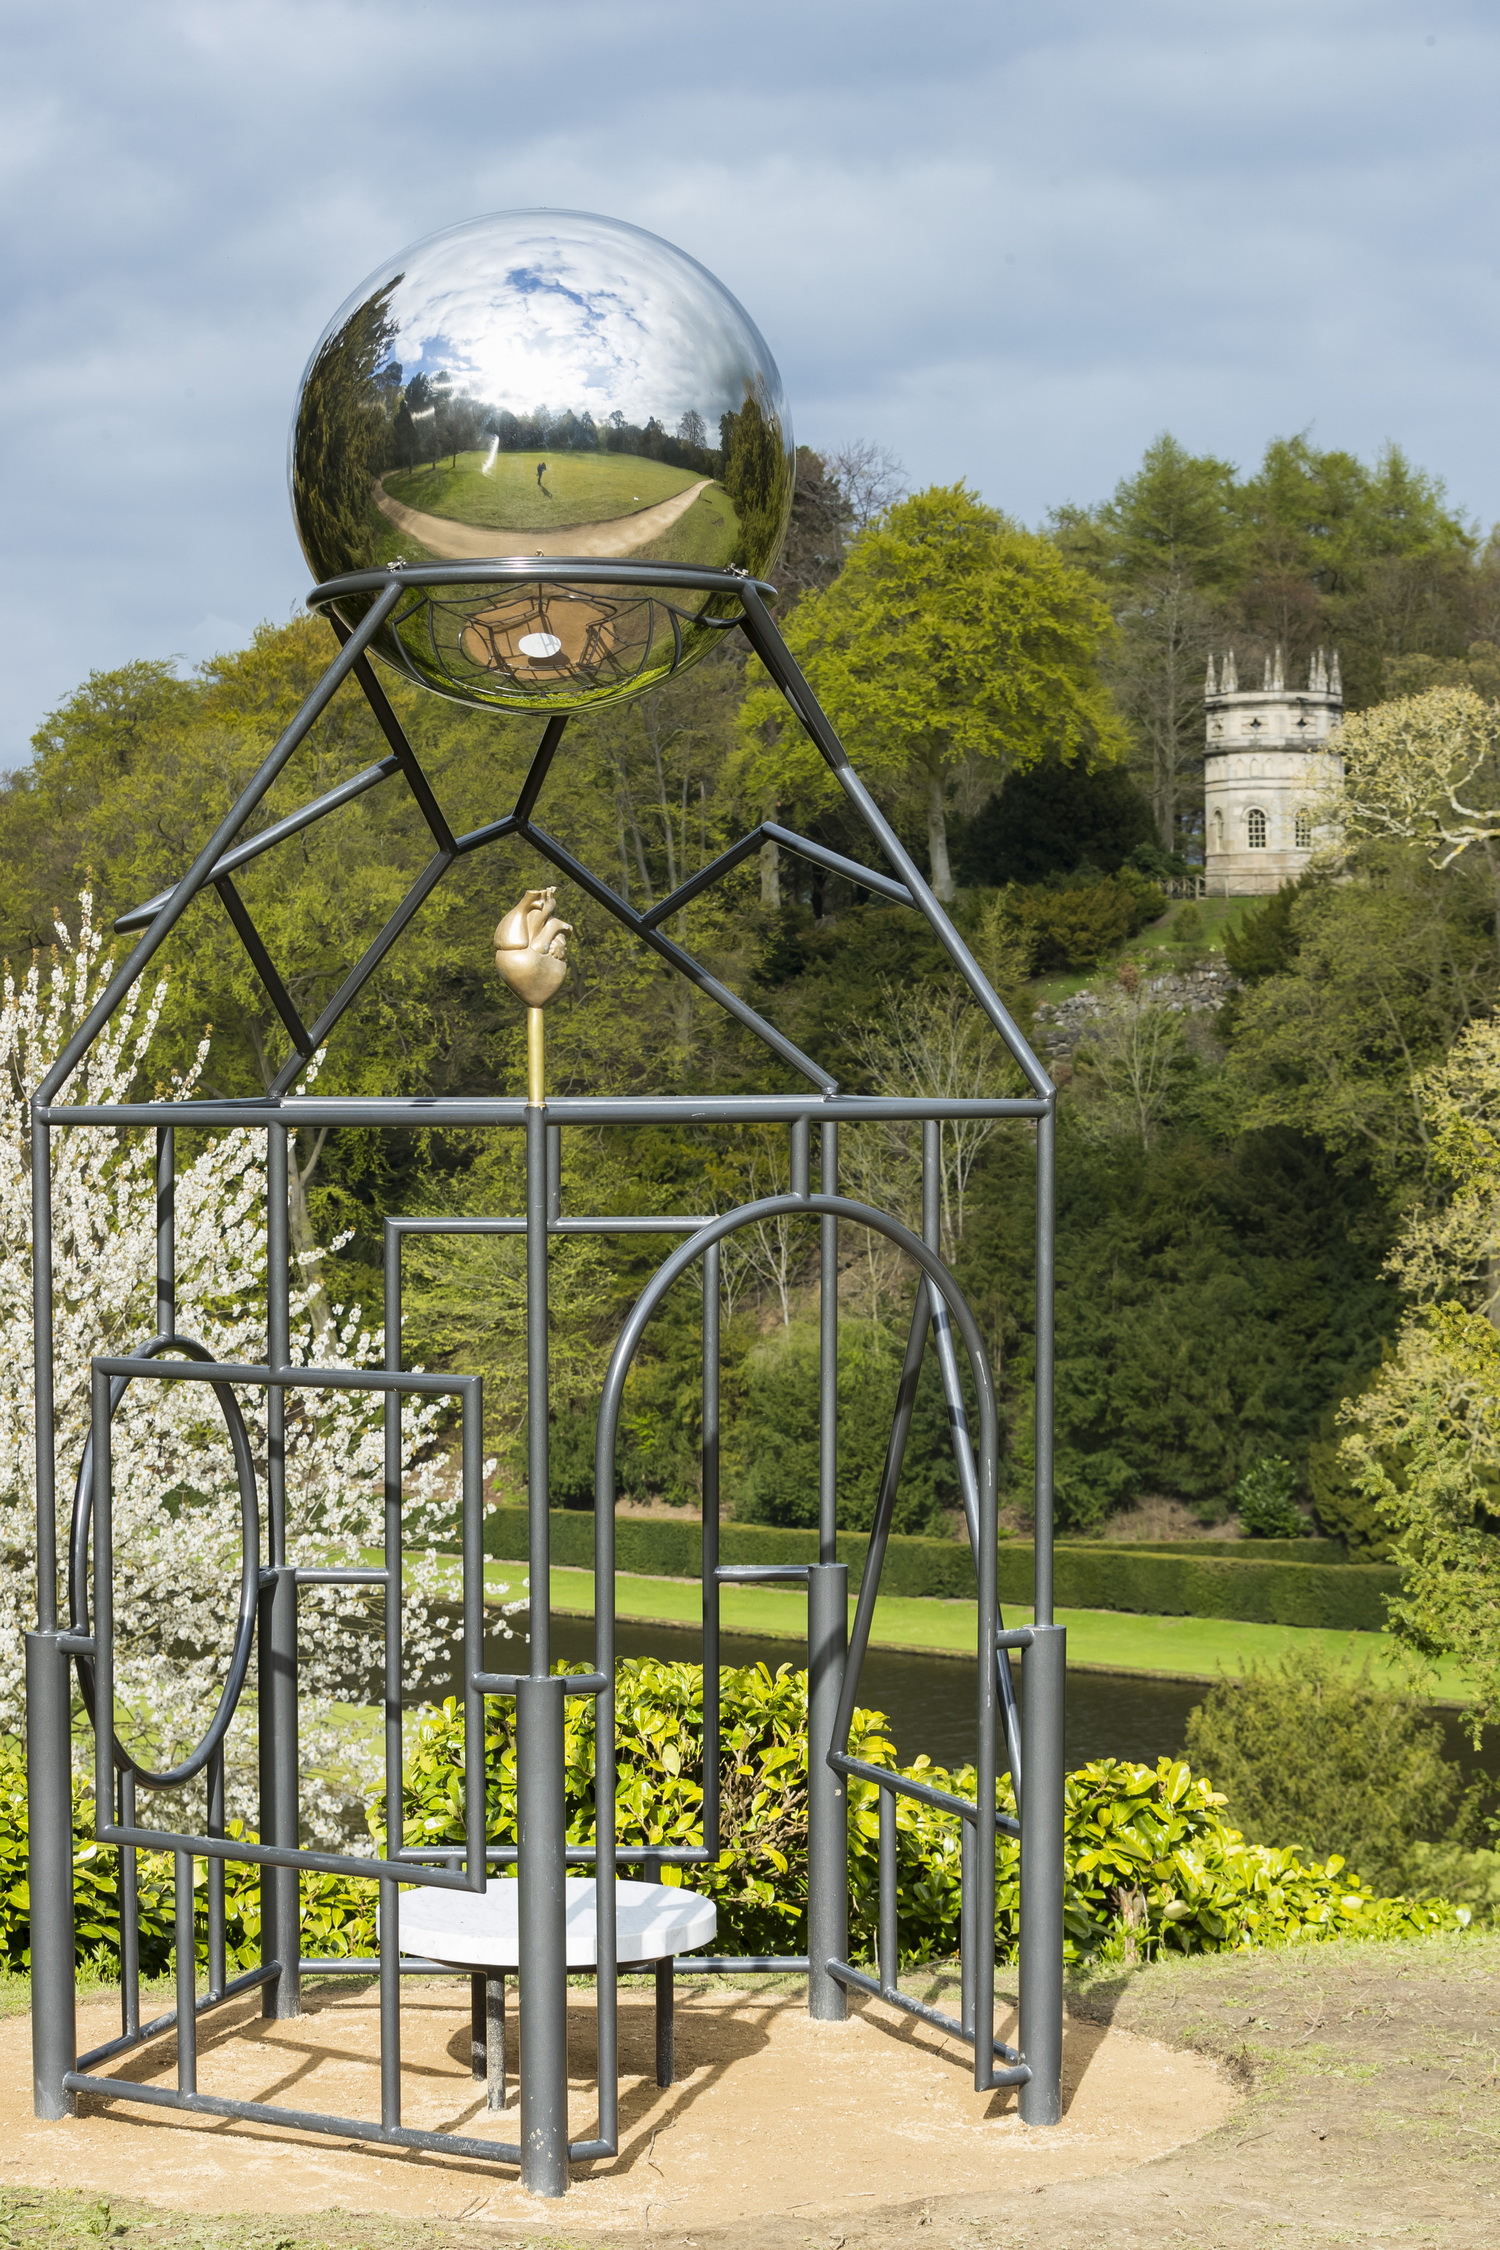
{"type": "Point", "coordinates": [712, 1778]}
{"type": "Point", "coordinates": [542, 1825]}
{"type": "Point", "coordinates": [390, 2003]}
{"type": "Point", "coordinates": [265, 838]}
{"type": "Point", "coordinates": [390, 1896]}
{"type": "Point", "coordinates": [213, 1874]}
{"type": "Point", "coordinates": [49, 1803]}
{"type": "Point", "coordinates": [130, 1920]}
{"type": "Point", "coordinates": [828, 1354]}
{"type": "Point", "coordinates": [41, 1317]}
{"type": "Point", "coordinates": [537, 1436]}
{"type": "Point", "coordinates": [1043, 1680]}
{"type": "Point", "coordinates": [967, 1948]}
{"type": "Point", "coordinates": [283, 1998]}
{"type": "Point", "coordinates": [423, 1111]}
{"type": "Point", "coordinates": [166, 1231]}
{"type": "Point", "coordinates": [888, 1946]}
{"type": "Point", "coordinates": [827, 1791]}
{"type": "Point", "coordinates": [223, 836]}
{"type": "Point", "coordinates": [185, 1951]}
{"type": "Point", "coordinates": [1046, 1280]}
{"type": "Point", "coordinates": [766, 640]}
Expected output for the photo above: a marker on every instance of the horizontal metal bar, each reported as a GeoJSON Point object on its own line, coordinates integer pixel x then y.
{"type": "Point", "coordinates": [554, 1227]}
{"type": "Point", "coordinates": [77, 1644]}
{"type": "Point", "coordinates": [410, 1965]}
{"type": "Point", "coordinates": [294, 2120]}
{"type": "Point", "coordinates": [277, 833]}
{"type": "Point", "coordinates": [291, 1378]}
{"type": "Point", "coordinates": [750, 1574]}
{"type": "Point", "coordinates": [159, 2024]}
{"type": "Point", "coordinates": [421, 1111]}
{"type": "Point", "coordinates": [862, 1983]}
{"type": "Point", "coordinates": [885, 1777]}
{"type": "Point", "coordinates": [1015, 1636]}
{"type": "Point", "coordinates": [506, 1683]}
{"type": "Point", "coordinates": [345, 1577]}
{"type": "Point", "coordinates": [273, 1855]}
{"type": "Point", "coordinates": [835, 862]}
{"type": "Point", "coordinates": [742, 1964]}
{"type": "Point", "coordinates": [577, 1855]}
{"type": "Point", "coordinates": [553, 569]}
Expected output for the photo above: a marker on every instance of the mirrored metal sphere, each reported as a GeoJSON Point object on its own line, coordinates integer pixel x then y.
{"type": "Point", "coordinates": [542, 383]}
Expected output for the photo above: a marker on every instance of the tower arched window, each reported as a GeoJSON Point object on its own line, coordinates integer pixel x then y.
{"type": "Point", "coordinates": [1304, 833]}
{"type": "Point", "coordinates": [1255, 829]}
{"type": "Point", "coordinates": [1218, 831]}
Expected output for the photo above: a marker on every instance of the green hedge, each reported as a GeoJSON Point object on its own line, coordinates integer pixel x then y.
{"type": "Point", "coordinates": [1151, 1865]}
{"type": "Point", "coordinates": [1206, 1580]}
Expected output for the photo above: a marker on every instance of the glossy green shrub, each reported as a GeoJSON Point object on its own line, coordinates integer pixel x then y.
{"type": "Point", "coordinates": [1152, 1865]}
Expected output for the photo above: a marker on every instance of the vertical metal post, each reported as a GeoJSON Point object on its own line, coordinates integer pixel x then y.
{"type": "Point", "coordinates": [49, 1751]}
{"type": "Point", "coordinates": [539, 1529]}
{"type": "Point", "coordinates": [828, 1354]}
{"type": "Point", "coordinates": [801, 1152]}
{"type": "Point", "coordinates": [166, 1231]}
{"type": "Point", "coordinates": [213, 1875]}
{"type": "Point", "coordinates": [827, 1792]}
{"type": "Point", "coordinates": [130, 1917]}
{"type": "Point", "coordinates": [1042, 1681]}
{"type": "Point", "coordinates": [1046, 1278]}
{"type": "Point", "coordinates": [41, 1312]}
{"type": "Point", "coordinates": [968, 1949]}
{"type": "Point", "coordinates": [280, 1887]}
{"type": "Point", "coordinates": [391, 1556]}
{"type": "Point", "coordinates": [712, 1779]}
{"type": "Point", "coordinates": [888, 1955]}
{"type": "Point", "coordinates": [49, 1812]}
{"type": "Point", "coordinates": [542, 1836]}
{"type": "Point", "coordinates": [184, 1947]}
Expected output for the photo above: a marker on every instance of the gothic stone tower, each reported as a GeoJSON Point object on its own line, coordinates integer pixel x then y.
{"type": "Point", "coordinates": [1270, 757]}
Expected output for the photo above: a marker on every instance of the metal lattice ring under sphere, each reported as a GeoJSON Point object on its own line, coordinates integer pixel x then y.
{"type": "Point", "coordinates": [181, 1347]}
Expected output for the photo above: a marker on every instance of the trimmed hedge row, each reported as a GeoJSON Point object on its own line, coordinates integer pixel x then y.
{"type": "Point", "coordinates": [1197, 1583]}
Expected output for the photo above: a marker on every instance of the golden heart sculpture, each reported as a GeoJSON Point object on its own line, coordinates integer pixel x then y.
{"type": "Point", "coordinates": [531, 948]}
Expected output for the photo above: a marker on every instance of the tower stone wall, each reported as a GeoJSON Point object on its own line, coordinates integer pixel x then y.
{"type": "Point", "coordinates": [1272, 755]}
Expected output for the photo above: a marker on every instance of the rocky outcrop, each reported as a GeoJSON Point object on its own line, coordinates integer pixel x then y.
{"type": "Point", "coordinates": [1062, 1025]}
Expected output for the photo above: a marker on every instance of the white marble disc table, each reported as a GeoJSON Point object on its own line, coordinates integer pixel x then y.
{"type": "Point", "coordinates": [654, 1922]}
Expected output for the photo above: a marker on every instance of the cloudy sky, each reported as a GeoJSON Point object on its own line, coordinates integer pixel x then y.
{"type": "Point", "coordinates": [1011, 239]}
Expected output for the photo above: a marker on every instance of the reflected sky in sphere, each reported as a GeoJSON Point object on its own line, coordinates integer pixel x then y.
{"type": "Point", "coordinates": [542, 383]}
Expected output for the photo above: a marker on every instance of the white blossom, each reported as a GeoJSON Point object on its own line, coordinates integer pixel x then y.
{"type": "Point", "coordinates": [175, 1497]}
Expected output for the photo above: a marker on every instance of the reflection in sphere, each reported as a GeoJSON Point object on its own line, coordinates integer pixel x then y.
{"type": "Point", "coordinates": [542, 383]}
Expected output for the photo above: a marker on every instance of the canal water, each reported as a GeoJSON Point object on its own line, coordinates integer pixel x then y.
{"type": "Point", "coordinates": [929, 1700]}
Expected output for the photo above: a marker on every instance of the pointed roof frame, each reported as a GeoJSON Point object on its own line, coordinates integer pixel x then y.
{"type": "Point", "coordinates": [228, 849]}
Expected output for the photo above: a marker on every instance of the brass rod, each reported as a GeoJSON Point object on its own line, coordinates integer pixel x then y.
{"type": "Point", "coordinates": [536, 1059]}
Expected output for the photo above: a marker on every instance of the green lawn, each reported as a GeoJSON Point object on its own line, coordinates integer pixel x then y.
{"type": "Point", "coordinates": [580, 488]}
{"type": "Point", "coordinates": [1154, 949]}
{"type": "Point", "coordinates": [1183, 1648]}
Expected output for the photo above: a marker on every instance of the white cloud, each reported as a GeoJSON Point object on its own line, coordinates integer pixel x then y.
{"type": "Point", "coordinates": [1011, 243]}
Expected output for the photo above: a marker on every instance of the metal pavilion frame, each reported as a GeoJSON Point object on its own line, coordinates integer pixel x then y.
{"type": "Point", "coordinates": [1027, 1740]}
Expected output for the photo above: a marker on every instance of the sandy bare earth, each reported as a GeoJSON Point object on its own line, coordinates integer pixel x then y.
{"type": "Point", "coordinates": [772, 2114]}
{"type": "Point", "coordinates": [464, 542]}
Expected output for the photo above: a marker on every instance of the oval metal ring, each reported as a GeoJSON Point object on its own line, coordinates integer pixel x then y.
{"type": "Point", "coordinates": [180, 1347]}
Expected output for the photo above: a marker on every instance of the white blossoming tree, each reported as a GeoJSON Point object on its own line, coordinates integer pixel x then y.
{"type": "Point", "coordinates": [176, 1508]}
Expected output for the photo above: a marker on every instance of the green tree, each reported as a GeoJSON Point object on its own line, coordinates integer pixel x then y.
{"type": "Point", "coordinates": [1167, 545]}
{"type": "Point", "coordinates": [1388, 967]}
{"type": "Point", "coordinates": [1306, 1755]}
{"type": "Point", "coordinates": [950, 637]}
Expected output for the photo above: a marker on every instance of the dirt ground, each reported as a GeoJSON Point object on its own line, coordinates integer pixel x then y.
{"type": "Point", "coordinates": [1342, 2094]}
